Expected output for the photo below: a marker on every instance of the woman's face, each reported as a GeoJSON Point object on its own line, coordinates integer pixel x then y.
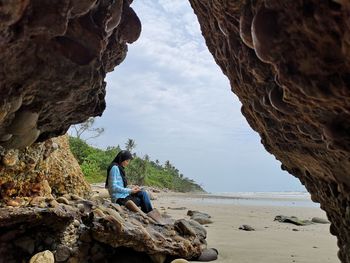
{"type": "Point", "coordinates": [125, 163]}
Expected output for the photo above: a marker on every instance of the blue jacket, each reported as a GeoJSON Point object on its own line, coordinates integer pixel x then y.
{"type": "Point", "coordinates": [116, 187]}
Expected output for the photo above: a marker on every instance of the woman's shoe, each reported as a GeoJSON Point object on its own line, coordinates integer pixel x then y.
{"type": "Point", "coordinates": [156, 216]}
{"type": "Point", "coordinates": [132, 206]}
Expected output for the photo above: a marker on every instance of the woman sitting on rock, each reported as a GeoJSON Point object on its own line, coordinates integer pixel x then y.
{"type": "Point", "coordinates": [116, 183]}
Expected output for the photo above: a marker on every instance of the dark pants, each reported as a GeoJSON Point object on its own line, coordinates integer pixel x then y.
{"type": "Point", "coordinates": [140, 199]}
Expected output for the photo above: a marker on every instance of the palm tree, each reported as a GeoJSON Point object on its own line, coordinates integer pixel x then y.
{"type": "Point", "coordinates": [130, 145]}
{"type": "Point", "coordinates": [167, 165]}
{"type": "Point", "coordinates": [146, 157]}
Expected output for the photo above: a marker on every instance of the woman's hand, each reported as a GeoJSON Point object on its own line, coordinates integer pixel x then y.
{"type": "Point", "coordinates": [135, 189]}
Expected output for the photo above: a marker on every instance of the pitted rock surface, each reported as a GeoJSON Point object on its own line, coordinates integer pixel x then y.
{"type": "Point", "coordinates": [90, 230]}
{"type": "Point", "coordinates": [41, 170]}
{"type": "Point", "coordinates": [54, 58]}
{"type": "Point", "coordinates": [289, 64]}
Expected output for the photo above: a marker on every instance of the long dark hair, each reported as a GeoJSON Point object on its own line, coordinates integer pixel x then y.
{"type": "Point", "coordinates": [121, 157]}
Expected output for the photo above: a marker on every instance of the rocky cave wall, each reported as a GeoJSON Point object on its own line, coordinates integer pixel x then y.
{"type": "Point", "coordinates": [288, 62]}
{"type": "Point", "coordinates": [54, 56]}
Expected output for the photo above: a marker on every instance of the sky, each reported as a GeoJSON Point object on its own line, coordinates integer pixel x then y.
{"type": "Point", "coordinates": [172, 99]}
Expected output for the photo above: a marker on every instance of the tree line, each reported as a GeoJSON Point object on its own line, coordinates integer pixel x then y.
{"type": "Point", "coordinates": [141, 170]}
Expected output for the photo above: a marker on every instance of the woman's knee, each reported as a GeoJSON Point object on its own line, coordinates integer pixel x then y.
{"type": "Point", "coordinates": [144, 194]}
{"type": "Point", "coordinates": [140, 192]}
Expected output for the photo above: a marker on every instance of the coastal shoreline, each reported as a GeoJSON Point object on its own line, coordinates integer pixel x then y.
{"type": "Point", "coordinates": [271, 241]}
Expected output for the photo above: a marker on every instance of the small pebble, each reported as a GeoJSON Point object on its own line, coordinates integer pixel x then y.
{"type": "Point", "coordinates": [246, 228]}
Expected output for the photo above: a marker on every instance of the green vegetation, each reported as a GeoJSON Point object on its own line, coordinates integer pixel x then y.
{"type": "Point", "coordinates": [141, 171]}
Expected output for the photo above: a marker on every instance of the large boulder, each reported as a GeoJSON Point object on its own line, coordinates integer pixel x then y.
{"type": "Point", "coordinates": [63, 171]}
{"type": "Point", "coordinates": [288, 62]}
{"type": "Point", "coordinates": [41, 170]}
{"type": "Point", "coordinates": [93, 230]}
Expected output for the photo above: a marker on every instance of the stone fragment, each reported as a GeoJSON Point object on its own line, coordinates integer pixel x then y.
{"type": "Point", "coordinates": [202, 218]}
{"type": "Point", "coordinates": [208, 254]}
{"type": "Point", "coordinates": [246, 228]}
{"type": "Point", "coordinates": [43, 257]}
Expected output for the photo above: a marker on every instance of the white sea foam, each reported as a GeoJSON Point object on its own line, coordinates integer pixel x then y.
{"type": "Point", "coordinates": [267, 195]}
{"type": "Point", "coordinates": [291, 199]}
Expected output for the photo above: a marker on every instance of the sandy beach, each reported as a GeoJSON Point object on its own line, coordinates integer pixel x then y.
{"type": "Point", "coordinates": [271, 241]}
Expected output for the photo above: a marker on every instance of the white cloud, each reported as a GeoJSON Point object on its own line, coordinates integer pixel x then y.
{"type": "Point", "coordinates": [171, 34]}
{"type": "Point", "coordinates": [171, 97]}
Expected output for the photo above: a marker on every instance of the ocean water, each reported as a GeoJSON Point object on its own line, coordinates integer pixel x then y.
{"type": "Point", "coordinates": [289, 199]}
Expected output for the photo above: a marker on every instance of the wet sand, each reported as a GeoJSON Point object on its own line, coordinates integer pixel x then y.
{"type": "Point", "coordinates": [271, 241]}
